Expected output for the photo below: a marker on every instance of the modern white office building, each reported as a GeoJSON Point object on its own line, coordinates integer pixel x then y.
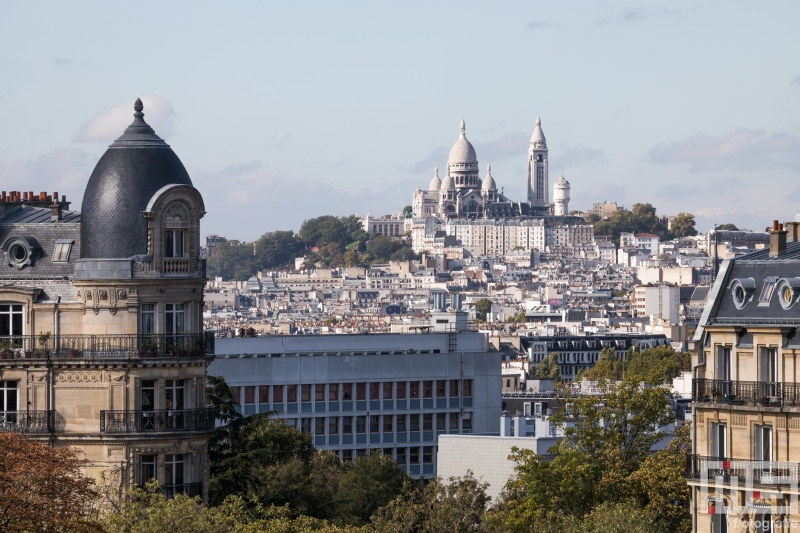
{"type": "Point", "coordinates": [394, 392]}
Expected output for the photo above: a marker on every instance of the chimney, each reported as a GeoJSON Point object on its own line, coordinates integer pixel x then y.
{"type": "Point", "coordinates": [794, 231]}
{"type": "Point", "coordinates": [777, 240]}
{"type": "Point", "coordinates": [55, 211]}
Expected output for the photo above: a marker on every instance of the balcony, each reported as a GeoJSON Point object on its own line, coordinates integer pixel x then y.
{"type": "Point", "coordinates": [754, 393]}
{"type": "Point", "coordinates": [742, 472]}
{"type": "Point", "coordinates": [45, 346]}
{"type": "Point", "coordinates": [190, 489]}
{"type": "Point", "coordinates": [164, 420]}
{"type": "Point", "coordinates": [27, 421]}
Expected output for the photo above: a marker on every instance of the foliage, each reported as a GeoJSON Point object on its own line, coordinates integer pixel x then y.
{"type": "Point", "coordinates": [601, 471]}
{"type": "Point", "coordinates": [652, 365]}
{"type": "Point", "coordinates": [727, 227]}
{"type": "Point", "coordinates": [242, 260]}
{"type": "Point", "coordinates": [642, 219]}
{"type": "Point", "coordinates": [683, 225]}
{"type": "Point", "coordinates": [458, 506]}
{"type": "Point", "coordinates": [42, 488]}
{"type": "Point", "coordinates": [482, 307]}
{"type": "Point", "coordinates": [548, 368]}
{"type": "Point", "coordinates": [366, 486]}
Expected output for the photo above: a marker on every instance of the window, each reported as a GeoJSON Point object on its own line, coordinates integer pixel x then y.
{"type": "Point", "coordinates": [263, 394]}
{"type": "Point", "coordinates": [467, 423]}
{"type": "Point", "coordinates": [401, 423]}
{"type": "Point", "coordinates": [277, 394]}
{"type": "Point", "coordinates": [361, 424]}
{"type": "Point", "coordinates": [347, 425]}
{"type": "Point", "coordinates": [333, 425]}
{"type": "Point", "coordinates": [174, 319]}
{"type": "Point", "coordinates": [427, 455]}
{"type": "Point", "coordinates": [319, 426]}
{"type": "Point", "coordinates": [9, 396]}
{"type": "Point", "coordinates": [453, 421]}
{"type": "Point", "coordinates": [387, 423]}
{"type": "Point", "coordinates": [147, 468]}
{"type": "Point", "coordinates": [387, 390]}
{"type": "Point", "coordinates": [61, 250]}
{"type": "Point", "coordinates": [414, 389]}
{"type": "Point", "coordinates": [414, 456]}
{"type": "Point", "coordinates": [467, 388]}
{"type": "Point", "coordinates": [347, 456]}
{"type": "Point", "coordinates": [147, 395]}
{"type": "Point", "coordinates": [440, 422]}
{"type": "Point", "coordinates": [173, 243]}
{"type": "Point", "coordinates": [766, 291]}
{"type": "Point", "coordinates": [441, 388]}
{"type": "Point", "coordinates": [249, 395]}
{"type": "Point", "coordinates": [147, 319]}
{"type": "Point", "coordinates": [414, 422]}
{"type": "Point", "coordinates": [173, 469]}
{"type": "Point", "coordinates": [305, 425]}
{"type": "Point", "coordinates": [173, 393]}
{"type": "Point", "coordinates": [374, 423]}
{"type": "Point", "coordinates": [723, 369]}
{"type": "Point", "coordinates": [763, 443]}
{"type": "Point", "coordinates": [237, 395]}
{"type": "Point", "coordinates": [401, 455]}
{"type": "Point", "coordinates": [401, 390]}
{"type": "Point", "coordinates": [454, 388]}
{"type": "Point", "coordinates": [347, 391]}
{"type": "Point", "coordinates": [361, 391]}
{"type": "Point", "coordinates": [11, 319]}
{"type": "Point", "coordinates": [333, 392]}
{"type": "Point", "coordinates": [427, 422]}
{"type": "Point", "coordinates": [305, 393]}
{"type": "Point", "coordinates": [291, 393]}
{"type": "Point", "coordinates": [768, 366]}
{"type": "Point", "coordinates": [427, 389]}
{"type": "Point", "coordinates": [374, 391]}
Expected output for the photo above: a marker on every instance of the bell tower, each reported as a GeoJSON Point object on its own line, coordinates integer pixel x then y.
{"type": "Point", "coordinates": [537, 168]}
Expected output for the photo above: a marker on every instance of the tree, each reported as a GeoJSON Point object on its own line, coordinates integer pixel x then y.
{"type": "Point", "coordinates": [607, 439]}
{"type": "Point", "coordinates": [683, 225]}
{"type": "Point", "coordinates": [727, 227]}
{"type": "Point", "coordinates": [369, 484]}
{"type": "Point", "coordinates": [458, 506]}
{"type": "Point", "coordinates": [42, 488]}
{"type": "Point", "coordinates": [652, 365]}
{"type": "Point", "coordinates": [381, 247]}
{"type": "Point", "coordinates": [482, 307]}
{"type": "Point", "coordinates": [548, 368]}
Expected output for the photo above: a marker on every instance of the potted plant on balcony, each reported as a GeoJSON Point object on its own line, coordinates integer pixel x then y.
{"type": "Point", "coordinates": [150, 346]}
{"type": "Point", "coordinates": [716, 394]}
{"type": "Point", "coordinates": [43, 339]}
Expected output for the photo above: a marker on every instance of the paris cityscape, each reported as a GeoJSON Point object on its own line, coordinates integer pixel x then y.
{"type": "Point", "coordinates": [430, 267]}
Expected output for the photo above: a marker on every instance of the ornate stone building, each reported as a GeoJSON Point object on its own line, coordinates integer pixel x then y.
{"type": "Point", "coordinates": [463, 194]}
{"type": "Point", "coordinates": [101, 341]}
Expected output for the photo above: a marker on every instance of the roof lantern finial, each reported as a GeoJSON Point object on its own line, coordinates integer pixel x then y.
{"type": "Point", "coordinates": [463, 127]}
{"type": "Point", "coordinates": [489, 169]}
{"type": "Point", "coordinates": [436, 171]}
{"type": "Point", "coordinates": [138, 106]}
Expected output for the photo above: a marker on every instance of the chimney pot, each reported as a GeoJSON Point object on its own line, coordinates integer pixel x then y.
{"type": "Point", "coordinates": [774, 225]}
{"type": "Point", "coordinates": [55, 196]}
{"type": "Point", "coordinates": [25, 196]}
{"type": "Point", "coordinates": [777, 240]}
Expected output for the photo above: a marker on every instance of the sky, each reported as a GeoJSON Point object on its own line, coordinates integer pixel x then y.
{"type": "Point", "coordinates": [283, 111]}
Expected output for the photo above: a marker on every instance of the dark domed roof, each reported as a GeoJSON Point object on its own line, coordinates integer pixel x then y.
{"type": "Point", "coordinates": [131, 171]}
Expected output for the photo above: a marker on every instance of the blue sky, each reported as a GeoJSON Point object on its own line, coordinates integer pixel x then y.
{"type": "Point", "coordinates": [285, 111]}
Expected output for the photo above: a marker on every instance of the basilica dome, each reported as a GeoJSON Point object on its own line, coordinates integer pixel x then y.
{"type": "Point", "coordinates": [133, 169]}
{"type": "Point", "coordinates": [435, 183]}
{"type": "Point", "coordinates": [488, 181]}
{"type": "Point", "coordinates": [462, 151]}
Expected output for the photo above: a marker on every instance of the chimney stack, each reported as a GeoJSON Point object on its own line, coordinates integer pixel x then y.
{"type": "Point", "coordinates": [794, 231]}
{"type": "Point", "coordinates": [777, 240]}
{"type": "Point", "coordinates": [56, 211]}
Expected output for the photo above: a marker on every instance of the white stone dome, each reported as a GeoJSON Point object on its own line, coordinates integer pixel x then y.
{"type": "Point", "coordinates": [488, 181]}
{"type": "Point", "coordinates": [436, 183]}
{"type": "Point", "coordinates": [538, 135]}
{"type": "Point", "coordinates": [462, 151]}
{"type": "Point", "coordinates": [448, 184]}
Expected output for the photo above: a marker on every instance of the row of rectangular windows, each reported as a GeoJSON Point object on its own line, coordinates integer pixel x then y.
{"type": "Point", "coordinates": [387, 390]}
{"type": "Point", "coordinates": [383, 423]}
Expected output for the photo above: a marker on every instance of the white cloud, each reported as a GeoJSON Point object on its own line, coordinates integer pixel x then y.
{"type": "Point", "coordinates": [110, 124]}
{"type": "Point", "coordinates": [741, 149]}
{"type": "Point", "coordinates": [65, 170]}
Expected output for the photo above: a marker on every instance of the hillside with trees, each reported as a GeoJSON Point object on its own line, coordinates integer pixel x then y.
{"type": "Point", "coordinates": [327, 241]}
{"type": "Point", "coordinates": [642, 219]}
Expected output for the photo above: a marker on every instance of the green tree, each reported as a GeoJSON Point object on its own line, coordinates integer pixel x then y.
{"type": "Point", "coordinates": [381, 248]}
{"type": "Point", "coordinates": [727, 227]}
{"type": "Point", "coordinates": [548, 368]}
{"type": "Point", "coordinates": [458, 506]}
{"type": "Point", "coordinates": [369, 484]}
{"type": "Point", "coordinates": [607, 439]}
{"type": "Point", "coordinates": [683, 225]}
{"type": "Point", "coordinates": [653, 365]}
{"type": "Point", "coordinates": [482, 307]}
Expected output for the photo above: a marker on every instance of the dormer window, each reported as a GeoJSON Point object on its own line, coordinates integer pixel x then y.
{"type": "Point", "coordinates": [173, 243]}
{"type": "Point", "coordinates": [61, 250]}
{"type": "Point", "coordinates": [766, 291]}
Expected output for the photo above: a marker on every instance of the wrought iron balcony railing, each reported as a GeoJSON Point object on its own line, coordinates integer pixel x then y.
{"type": "Point", "coordinates": [27, 421]}
{"type": "Point", "coordinates": [190, 489]}
{"type": "Point", "coordinates": [741, 471]}
{"type": "Point", "coordinates": [46, 346]}
{"type": "Point", "coordinates": [761, 393]}
{"type": "Point", "coordinates": [154, 421]}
